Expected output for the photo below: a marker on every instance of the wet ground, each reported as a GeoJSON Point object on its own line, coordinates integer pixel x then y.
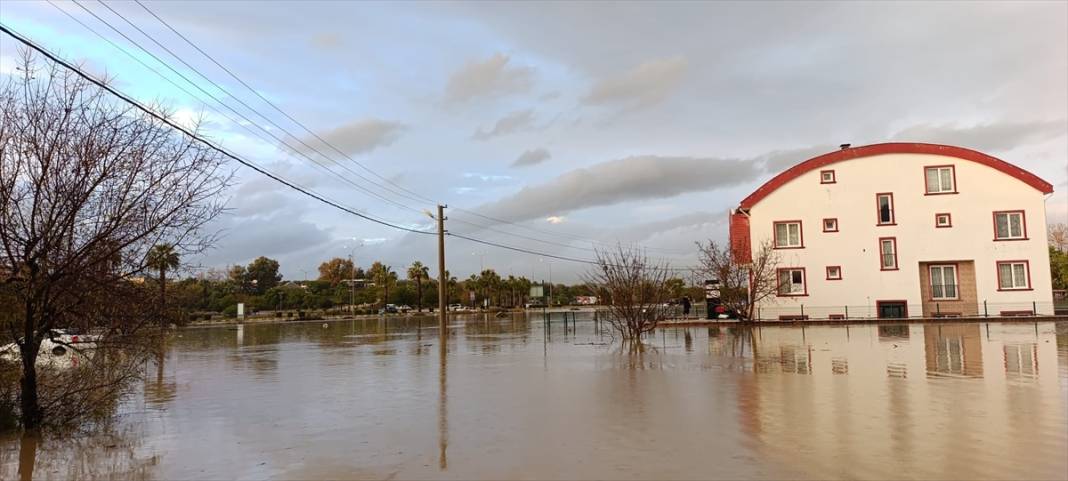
{"type": "Point", "coordinates": [514, 400]}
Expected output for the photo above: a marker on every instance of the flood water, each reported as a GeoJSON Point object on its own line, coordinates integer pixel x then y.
{"type": "Point", "coordinates": [513, 399]}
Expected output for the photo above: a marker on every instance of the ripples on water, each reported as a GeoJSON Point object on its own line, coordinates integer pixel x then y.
{"type": "Point", "coordinates": [515, 399]}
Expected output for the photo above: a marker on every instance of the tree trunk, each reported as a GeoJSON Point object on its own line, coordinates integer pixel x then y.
{"type": "Point", "coordinates": [31, 409]}
{"type": "Point", "coordinates": [419, 293]}
{"type": "Point", "coordinates": [163, 296]}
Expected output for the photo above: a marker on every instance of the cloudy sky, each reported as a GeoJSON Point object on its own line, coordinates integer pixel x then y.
{"type": "Point", "coordinates": [580, 124]}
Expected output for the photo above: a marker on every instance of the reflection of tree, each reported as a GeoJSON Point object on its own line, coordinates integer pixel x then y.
{"type": "Point", "coordinates": [109, 454]}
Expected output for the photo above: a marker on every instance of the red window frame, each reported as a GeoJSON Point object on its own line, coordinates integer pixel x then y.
{"type": "Point", "coordinates": [1023, 223]}
{"type": "Point", "coordinates": [804, 280]}
{"type": "Point", "coordinates": [800, 233]}
{"type": "Point", "coordinates": [828, 272]}
{"type": "Point", "coordinates": [997, 269]}
{"type": "Point", "coordinates": [823, 224]}
{"type": "Point", "coordinates": [948, 217]}
{"type": "Point", "coordinates": [834, 177]}
{"type": "Point", "coordinates": [881, 254]}
{"type": "Point", "coordinates": [878, 214]}
{"type": "Point", "coordinates": [930, 281]}
{"type": "Point", "coordinates": [952, 168]}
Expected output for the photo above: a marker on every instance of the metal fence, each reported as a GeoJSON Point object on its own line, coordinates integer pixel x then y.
{"type": "Point", "coordinates": [888, 310]}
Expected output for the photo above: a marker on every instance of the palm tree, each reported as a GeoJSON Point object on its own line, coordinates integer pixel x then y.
{"type": "Point", "coordinates": [162, 258]}
{"type": "Point", "coordinates": [417, 272]}
{"type": "Point", "coordinates": [383, 275]}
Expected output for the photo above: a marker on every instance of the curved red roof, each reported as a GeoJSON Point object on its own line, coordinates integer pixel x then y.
{"type": "Point", "coordinates": [894, 148]}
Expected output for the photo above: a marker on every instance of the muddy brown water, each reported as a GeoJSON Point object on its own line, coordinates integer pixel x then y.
{"type": "Point", "coordinates": [512, 399]}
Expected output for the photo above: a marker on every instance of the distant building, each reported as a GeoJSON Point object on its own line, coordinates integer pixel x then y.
{"type": "Point", "coordinates": [901, 230]}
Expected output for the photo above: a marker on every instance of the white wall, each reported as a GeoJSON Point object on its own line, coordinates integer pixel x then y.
{"type": "Point", "coordinates": [982, 190]}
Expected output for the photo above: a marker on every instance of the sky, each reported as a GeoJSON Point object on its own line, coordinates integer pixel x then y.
{"type": "Point", "coordinates": [582, 125]}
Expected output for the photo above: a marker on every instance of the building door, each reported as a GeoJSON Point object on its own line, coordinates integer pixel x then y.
{"type": "Point", "coordinates": [892, 309]}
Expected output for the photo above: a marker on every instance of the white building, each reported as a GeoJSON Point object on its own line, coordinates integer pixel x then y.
{"type": "Point", "coordinates": [901, 230]}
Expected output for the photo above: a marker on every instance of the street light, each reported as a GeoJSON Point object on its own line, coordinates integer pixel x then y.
{"type": "Point", "coordinates": [352, 277]}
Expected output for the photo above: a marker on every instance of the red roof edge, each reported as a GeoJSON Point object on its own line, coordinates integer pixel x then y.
{"type": "Point", "coordinates": [740, 240]}
{"type": "Point", "coordinates": [894, 148]}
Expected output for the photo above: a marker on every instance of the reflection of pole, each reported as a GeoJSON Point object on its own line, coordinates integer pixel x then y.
{"type": "Point", "coordinates": [443, 410]}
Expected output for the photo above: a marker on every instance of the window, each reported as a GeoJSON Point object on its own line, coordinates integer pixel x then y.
{"type": "Point", "coordinates": [792, 282]}
{"type": "Point", "coordinates": [944, 282]}
{"type": "Point", "coordinates": [830, 225]}
{"type": "Point", "coordinates": [888, 253]}
{"type": "Point", "coordinates": [788, 235]}
{"type": "Point", "coordinates": [834, 273]}
{"type": "Point", "coordinates": [885, 204]}
{"type": "Point", "coordinates": [941, 179]}
{"type": "Point", "coordinates": [1014, 275]}
{"type": "Point", "coordinates": [1010, 225]}
{"type": "Point", "coordinates": [943, 220]}
{"type": "Point", "coordinates": [827, 177]}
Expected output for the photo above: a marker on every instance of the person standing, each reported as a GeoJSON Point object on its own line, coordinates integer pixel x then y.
{"type": "Point", "coordinates": [686, 307]}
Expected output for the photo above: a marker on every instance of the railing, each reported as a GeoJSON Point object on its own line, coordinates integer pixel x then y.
{"type": "Point", "coordinates": [892, 310]}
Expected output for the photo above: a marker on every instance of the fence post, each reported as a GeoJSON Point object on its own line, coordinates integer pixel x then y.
{"type": "Point", "coordinates": [847, 312]}
{"type": "Point", "coordinates": [985, 312]}
{"type": "Point", "coordinates": [938, 309]}
{"type": "Point", "coordinates": [802, 312]}
{"type": "Point", "coordinates": [1034, 308]}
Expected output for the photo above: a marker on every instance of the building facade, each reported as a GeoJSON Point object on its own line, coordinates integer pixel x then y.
{"type": "Point", "coordinates": [900, 230]}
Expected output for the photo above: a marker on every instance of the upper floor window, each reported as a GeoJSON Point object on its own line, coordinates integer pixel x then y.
{"type": "Point", "coordinates": [830, 225]}
{"type": "Point", "coordinates": [1014, 275]}
{"type": "Point", "coordinates": [834, 273]}
{"type": "Point", "coordinates": [788, 235]}
{"type": "Point", "coordinates": [888, 254]}
{"type": "Point", "coordinates": [827, 177]}
{"type": "Point", "coordinates": [943, 220]}
{"type": "Point", "coordinates": [792, 281]}
{"type": "Point", "coordinates": [941, 179]}
{"type": "Point", "coordinates": [885, 204]}
{"type": "Point", "coordinates": [1010, 225]}
{"type": "Point", "coordinates": [944, 282]}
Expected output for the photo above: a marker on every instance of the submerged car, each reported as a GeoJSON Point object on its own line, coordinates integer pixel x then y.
{"type": "Point", "coordinates": [61, 350]}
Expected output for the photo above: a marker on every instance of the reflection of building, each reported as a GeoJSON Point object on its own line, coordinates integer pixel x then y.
{"type": "Point", "coordinates": [900, 230]}
{"type": "Point", "coordinates": [935, 401]}
{"type": "Point", "coordinates": [953, 349]}
{"type": "Point", "coordinates": [585, 300]}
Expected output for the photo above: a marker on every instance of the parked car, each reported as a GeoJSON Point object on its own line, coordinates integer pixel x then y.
{"type": "Point", "coordinates": [389, 309]}
{"type": "Point", "coordinates": [61, 350]}
{"type": "Point", "coordinates": [404, 308]}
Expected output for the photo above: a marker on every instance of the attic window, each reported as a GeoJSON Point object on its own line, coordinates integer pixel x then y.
{"type": "Point", "coordinates": [827, 177]}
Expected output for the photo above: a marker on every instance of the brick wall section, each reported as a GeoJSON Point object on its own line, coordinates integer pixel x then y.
{"type": "Point", "coordinates": [967, 305]}
{"type": "Point", "coordinates": [740, 240]}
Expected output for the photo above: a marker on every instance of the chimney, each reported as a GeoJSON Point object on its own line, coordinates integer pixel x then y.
{"type": "Point", "coordinates": [844, 146]}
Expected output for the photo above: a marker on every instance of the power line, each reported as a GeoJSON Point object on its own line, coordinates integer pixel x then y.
{"type": "Point", "coordinates": [292, 185]}
{"type": "Point", "coordinates": [241, 102]}
{"type": "Point", "coordinates": [183, 89]}
{"type": "Point", "coordinates": [418, 197]}
{"type": "Point", "coordinates": [103, 85]}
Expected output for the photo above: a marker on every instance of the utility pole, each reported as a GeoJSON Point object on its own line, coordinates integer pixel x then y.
{"type": "Point", "coordinates": [443, 316]}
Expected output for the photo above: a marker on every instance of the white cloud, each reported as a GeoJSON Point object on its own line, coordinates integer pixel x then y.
{"type": "Point", "coordinates": [531, 157]}
{"type": "Point", "coordinates": [518, 121]}
{"type": "Point", "coordinates": [488, 78]}
{"type": "Point", "coordinates": [358, 136]}
{"type": "Point", "coordinates": [646, 84]}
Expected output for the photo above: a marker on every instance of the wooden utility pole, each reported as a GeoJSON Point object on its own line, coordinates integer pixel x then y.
{"type": "Point", "coordinates": [443, 281]}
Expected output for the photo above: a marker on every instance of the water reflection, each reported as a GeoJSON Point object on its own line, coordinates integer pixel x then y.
{"type": "Point", "coordinates": [520, 397]}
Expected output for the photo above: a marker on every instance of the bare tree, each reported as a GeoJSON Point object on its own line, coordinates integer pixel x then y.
{"type": "Point", "coordinates": [634, 289]}
{"type": "Point", "coordinates": [743, 282]}
{"type": "Point", "coordinates": [1058, 236]}
{"type": "Point", "coordinates": [88, 186]}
